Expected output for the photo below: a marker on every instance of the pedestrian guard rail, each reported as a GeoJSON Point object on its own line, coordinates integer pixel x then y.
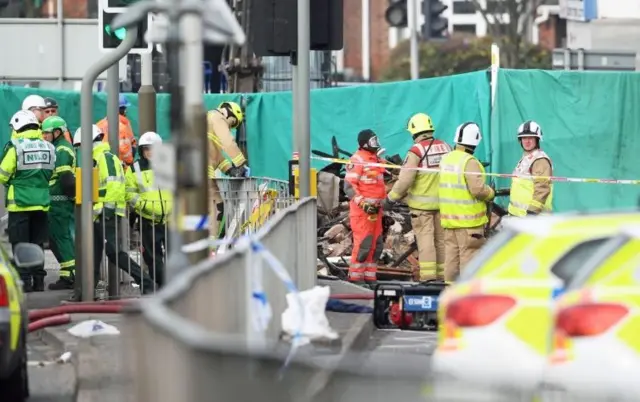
{"type": "Point", "coordinates": [203, 336]}
{"type": "Point", "coordinates": [141, 249]}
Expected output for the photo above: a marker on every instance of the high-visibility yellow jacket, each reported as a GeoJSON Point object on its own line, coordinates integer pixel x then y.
{"type": "Point", "coordinates": [459, 209]}
{"type": "Point", "coordinates": [27, 165]}
{"type": "Point", "coordinates": [522, 197]}
{"type": "Point", "coordinates": [111, 186]}
{"type": "Point", "coordinates": [144, 196]}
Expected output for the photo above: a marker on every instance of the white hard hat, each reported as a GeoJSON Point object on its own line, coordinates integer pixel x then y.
{"type": "Point", "coordinates": [468, 134]}
{"type": "Point", "coordinates": [33, 101]}
{"type": "Point", "coordinates": [530, 129]}
{"type": "Point", "coordinates": [77, 137]}
{"type": "Point", "coordinates": [22, 119]}
{"type": "Point", "coordinates": [149, 138]}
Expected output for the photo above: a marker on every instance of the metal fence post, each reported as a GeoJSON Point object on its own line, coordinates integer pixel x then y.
{"type": "Point", "coordinates": [86, 209]}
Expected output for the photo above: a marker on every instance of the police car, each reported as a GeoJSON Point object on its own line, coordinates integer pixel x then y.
{"type": "Point", "coordinates": [595, 349]}
{"type": "Point", "coordinates": [14, 382]}
{"type": "Point", "coordinates": [495, 321]}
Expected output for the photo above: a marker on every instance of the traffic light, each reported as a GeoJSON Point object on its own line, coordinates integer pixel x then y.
{"type": "Point", "coordinates": [396, 14]}
{"type": "Point", "coordinates": [110, 38]}
{"type": "Point", "coordinates": [435, 25]}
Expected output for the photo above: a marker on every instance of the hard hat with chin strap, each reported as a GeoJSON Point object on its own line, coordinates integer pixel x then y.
{"type": "Point", "coordinates": [468, 134]}
{"type": "Point", "coordinates": [95, 133]}
{"type": "Point", "coordinates": [530, 129]}
{"type": "Point", "coordinates": [22, 119]}
{"type": "Point", "coordinates": [420, 123]}
{"type": "Point", "coordinates": [149, 138]}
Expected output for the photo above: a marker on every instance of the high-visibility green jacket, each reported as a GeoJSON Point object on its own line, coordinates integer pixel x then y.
{"type": "Point", "coordinates": [65, 163]}
{"type": "Point", "coordinates": [27, 165]}
{"type": "Point", "coordinates": [111, 186]}
{"type": "Point", "coordinates": [144, 196]}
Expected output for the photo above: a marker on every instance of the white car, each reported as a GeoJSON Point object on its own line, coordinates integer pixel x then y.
{"type": "Point", "coordinates": [596, 339]}
{"type": "Point", "coordinates": [496, 320]}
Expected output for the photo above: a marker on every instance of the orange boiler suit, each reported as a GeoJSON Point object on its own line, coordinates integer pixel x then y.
{"type": "Point", "coordinates": [365, 184]}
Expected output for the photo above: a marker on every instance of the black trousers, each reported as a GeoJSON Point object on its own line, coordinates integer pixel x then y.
{"type": "Point", "coordinates": [28, 227]}
{"type": "Point", "coordinates": [105, 238]}
{"type": "Point", "coordinates": [154, 246]}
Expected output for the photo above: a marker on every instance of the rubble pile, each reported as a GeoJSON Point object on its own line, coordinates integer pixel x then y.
{"type": "Point", "coordinates": [335, 241]}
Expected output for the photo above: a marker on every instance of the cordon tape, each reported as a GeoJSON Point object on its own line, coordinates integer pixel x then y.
{"type": "Point", "coordinates": [503, 175]}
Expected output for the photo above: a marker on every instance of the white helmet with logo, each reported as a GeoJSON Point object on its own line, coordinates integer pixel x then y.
{"type": "Point", "coordinates": [149, 138]}
{"type": "Point", "coordinates": [23, 118]}
{"type": "Point", "coordinates": [95, 133]}
{"type": "Point", "coordinates": [530, 129]}
{"type": "Point", "coordinates": [36, 101]}
{"type": "Point", "coordinates": [468, 134]}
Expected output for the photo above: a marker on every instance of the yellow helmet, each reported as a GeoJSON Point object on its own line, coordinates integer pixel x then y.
{"type": "Point", "coordinates": [419, 123]}
{"type": "Point", "coordinates": [233, 110]}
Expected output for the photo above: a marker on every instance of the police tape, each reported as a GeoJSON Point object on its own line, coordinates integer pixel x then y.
{"type": "Point", "coordinates": [261, 304]}
{"type": "Point", "coordinates": [502, 175]}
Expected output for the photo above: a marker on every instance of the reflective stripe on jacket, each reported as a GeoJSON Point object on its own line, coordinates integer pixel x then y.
{"type": "Point", "coordinates": [522, 188]}
{"type": "Point", "coordinates": [27, 166]}
{"type": "Point", "coordinates": [458, 208]}
{"type": "Point", "coordinates": [423, 193]}
{"type": "Point", "coordinates": [111, 185]}
{"type": "Point", "coordinates": [146, 198]}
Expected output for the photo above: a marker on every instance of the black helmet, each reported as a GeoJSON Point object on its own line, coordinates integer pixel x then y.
{"type": "Point", "coordinates": [50, 103]}
{"type": "Point", "coordinates": [368, 140]}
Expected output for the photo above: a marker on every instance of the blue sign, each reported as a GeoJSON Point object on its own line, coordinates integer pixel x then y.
{"type": "Point", "coordinates": [579, 10]}
{"type": "Point", "coordinates": [420, 303]}
{"type": "Point", "coordinates": [557, 292]}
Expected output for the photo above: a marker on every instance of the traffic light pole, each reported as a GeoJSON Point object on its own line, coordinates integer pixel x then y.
{"type": "Point", "coordinates": [412, 11]}
{"type": "Point", "coordinates": [85, 225]}
{"type": "Point", "coordinates": [113, 123]}
{"type": "Point", "coordinates": [302, 89]}
{"type": "Point", "coordinates": [146, 96]}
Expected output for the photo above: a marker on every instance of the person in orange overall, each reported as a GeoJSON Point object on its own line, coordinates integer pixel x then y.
{"type": "Point", "coordinates": [128, 142]}
{"type": "Point", "coordinates": [364, 185]}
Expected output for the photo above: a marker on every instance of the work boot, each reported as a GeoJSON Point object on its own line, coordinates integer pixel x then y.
{"type": "Point", "coordinates": [38, 283]}
{"type": "Point", "coordinates": [27, 286]}
{"type": "Point", "coordinates": [62, 284]}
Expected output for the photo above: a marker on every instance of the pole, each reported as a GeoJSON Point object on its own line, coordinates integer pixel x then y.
{"type": "Point", "coordinates": [113, 122]}
{"type": "Point", "coordinates": [294, 101]}
{"type": "Point", "coordinates": [412, 12]}
{"type": "Point", "coordinates": [146, 96]}
{"type": "Point", "coordinates": [366, 40]}
{"type": "Point", "coordinates": [302, 98]}
{"type": "Point", "coordinates": [86, 111]}
{"type": "Point", "coordinates": [196, 199]}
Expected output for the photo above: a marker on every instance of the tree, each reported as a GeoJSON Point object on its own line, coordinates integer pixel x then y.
{"type": "Point", "coordinates": [511, 23]}
{"type": "Point", "coordinates": [459, 54]}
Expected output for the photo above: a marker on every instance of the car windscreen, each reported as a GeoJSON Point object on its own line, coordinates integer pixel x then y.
{"type": "Point", "coordinates": [573, 260]}
{"type": "Point", "coordinates": [597, 257]}
{"type": "Point", "coordinates": [494, 244]}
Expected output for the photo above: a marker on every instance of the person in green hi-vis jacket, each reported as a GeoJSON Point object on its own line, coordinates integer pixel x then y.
{"type": "Point", "coordinates": [27, 166]}
{"type": "Point", "coordinates": [62, 188]}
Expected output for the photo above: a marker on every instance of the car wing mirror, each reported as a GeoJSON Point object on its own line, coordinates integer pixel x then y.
{"type": "Point", "coordinates": [27, 256]}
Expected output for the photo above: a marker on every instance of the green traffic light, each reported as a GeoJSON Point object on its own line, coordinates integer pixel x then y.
{"type": "Point", "coordinates": [119, 33]}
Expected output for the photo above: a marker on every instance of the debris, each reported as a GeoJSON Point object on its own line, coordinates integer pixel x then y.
{"type": "Point", "coordinates": [89, 328]}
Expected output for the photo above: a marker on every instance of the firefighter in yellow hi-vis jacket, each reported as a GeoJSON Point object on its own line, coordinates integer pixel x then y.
{"type": "Point", "coordinates": [222, 145]}
{"type": "Point", "coordinates": [463, 195]}
{"type": "Point", "coordinates": [421, 189]}
{"type": "Point", "coordinates": [532, 192]}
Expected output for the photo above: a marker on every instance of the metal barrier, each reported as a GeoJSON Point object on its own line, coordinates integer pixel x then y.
{"type": "Point", "coordinates": [139, 246]}
{"type": "Point", "coordinates": [196, 340]}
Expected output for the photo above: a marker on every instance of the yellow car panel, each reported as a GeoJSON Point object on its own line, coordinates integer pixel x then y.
{"type": "Point", "coordinates": [515, 279]}
{"type": "Point", "coordinates": [596, 348]}
{"type": "Point", "coordinates": [16, 298]}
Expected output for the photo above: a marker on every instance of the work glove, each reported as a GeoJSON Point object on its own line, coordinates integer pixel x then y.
{"type": "Point", "coordinates": [503, 192]}
{"type": "Point", "coordinates": [238, 171]}
{"type": "Point", "coordinates": [368, 208]}
{"type": "Point", "coordinates": [531, 213]}
{"type": "Point", "coordinates": [388, 204]}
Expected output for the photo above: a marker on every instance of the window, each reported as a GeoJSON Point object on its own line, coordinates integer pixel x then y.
{"type": "Point", "coordinates": [464, 28]}
{"type": "Point", "coordinates": [464, 7]}
{"type": "Point", "coordinates": [597, 257]}
{"type": "Point", "coordinates": [573, 261]}
{"type": "Point", "coordinates": [487, 252]}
